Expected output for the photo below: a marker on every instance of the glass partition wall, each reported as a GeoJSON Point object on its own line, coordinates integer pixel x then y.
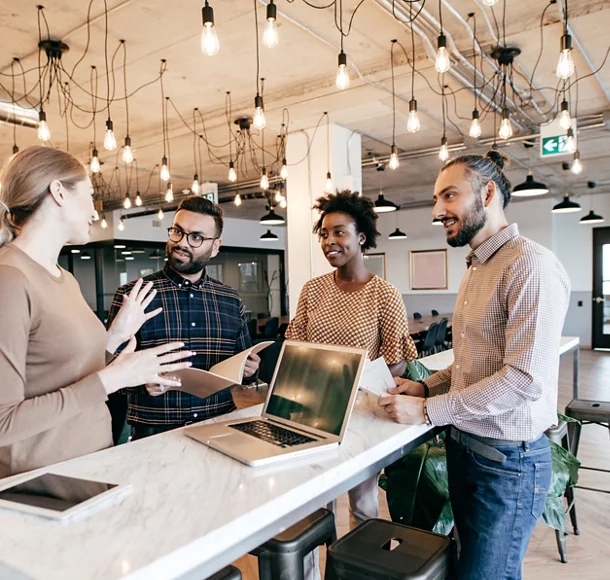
{"type": "Point", "coordinates": [101, 267]}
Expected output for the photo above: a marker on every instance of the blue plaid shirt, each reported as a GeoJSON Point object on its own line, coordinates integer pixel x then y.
{"type": "Point", "coordinates": [209, 317]}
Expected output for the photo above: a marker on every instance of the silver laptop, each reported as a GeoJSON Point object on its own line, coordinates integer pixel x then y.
{"type": "Point", "coordinates": [308, 406]}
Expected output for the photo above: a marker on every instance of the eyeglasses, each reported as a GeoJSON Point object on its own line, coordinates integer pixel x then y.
{"type": "Point", "coordinates": [193, 239]}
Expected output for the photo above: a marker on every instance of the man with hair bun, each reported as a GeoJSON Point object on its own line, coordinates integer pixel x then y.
{"type": "Point", "coordinates": [499, 395]}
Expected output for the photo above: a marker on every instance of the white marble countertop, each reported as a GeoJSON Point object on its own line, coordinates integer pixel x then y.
{"type": "Point", "coordinates": [189, 503]}
{"type": "Point", "coordinates": [442, 360]}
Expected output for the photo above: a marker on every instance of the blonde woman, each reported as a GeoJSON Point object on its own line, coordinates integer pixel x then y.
{"type": "Point", "coordinates": [52, 347]}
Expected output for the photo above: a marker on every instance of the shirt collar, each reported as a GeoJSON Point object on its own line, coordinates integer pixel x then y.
{"type": "Point", "coordinates": [182, 282]}
{"type": "Point", "coordinates": [489, 247]}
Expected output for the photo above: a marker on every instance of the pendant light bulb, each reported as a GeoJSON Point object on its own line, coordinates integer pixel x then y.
{"type": "Point", "coordinates": [127, 201]}
{"type": "Point", "coordinates": [506, 129]}
{"type": "Point", "coordinates": [264, 179]}
{"type": "Point", "coordinates": [95, 162]}
{"type": "Point", "coordinates": [139, 201]}
{"type": "Point", "coordinates": [44, 134]}
{"type": "Point", "coordinates": [413, 124]}
{"type": "Point", "coordinates": [576, 164]}
{"type": "Point", "coordinates": [443, 153]}
{"type": "Point", "coordinates": [329, 187]}
{"type": "Point", "coordinates": [169, 194]}
{"type": "Point", "coordinates": [164, 174]}
{"type": "Point", "coordinates": [475, 125]}
{"type": "Point", "coordinates": [209, 38]}
{"type": "Point", "coordinates": [394, 163]}
{"type": "Point", "coordinates": [195, 188]}
{"type": "Point", "coordinates": [565, 65]}
{"type": "Point", "coordinates": [270, 36]}
{"type": "Point", "coordinates": [237, 200]}
{"type": "Point", "coordinates": [570, 141]}
{"type": "Point", "coordinates": [121, 226]}
{"type": "Point", "coordinates": [104, 223]}
{"type": "Point", "coordinates": [160, 213]}
{"type": "Point", "coordinates": [259, 120]}
{"type": "Point", "coordinates": [232, 172]}
{"type": "Point", "coordinates": [342, 80]}
{"type": "Point", "coordinates": [109, 138]}
{"type": "Point", "coordinates": [565, 121]}
{"type": "Point", "coordinates": [127, 151]}
{"type": "Point", "coordinates": [283, 203]}
{"type": "Point", "coordinates": [284, 170]}
{"type": "Point", "coordinates": [442, 63]}
{"type": "Point", "coordinates": [490, 2]}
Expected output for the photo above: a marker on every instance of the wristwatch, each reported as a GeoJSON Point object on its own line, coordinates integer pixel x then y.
{"type": "Point", "coordinates": [426, 416]}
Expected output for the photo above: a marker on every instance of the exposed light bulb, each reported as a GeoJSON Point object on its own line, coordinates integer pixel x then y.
{"type": "Point", "coordinates": [259, 120]}
{"type": "Point", "coordinates": [329, 187]}
{"type": "Point", "coordinates": [490, 2]}
{"type": "Point", "coordinates": [570, 141]}
{"type": "Point", "coordinates": [127, 151]}
{"type": "Point", "coordinates": [164, 173]}
{"type": "Point", "coordinates": [195, 188]}
{"type": "Point", "coordinates": [169, 194]}
{"type": "Point", "coordinates": [413, 119]}
{"type": "Point", "coordinates": [237, 200]}
{"type": "Point", "coordinates": [232, 172]}
{"type": "Point", "coordinates": [264, 180]}
{"type": "Point", "coordinates": [121, 226]}
{"type": "Point", "coordinates": [160, 214]}
{"type": "Point", "coordinates": [475, 125]}
{"type": "Point", "coordinates": [109, 138]}
{"type": "Point", "coordinates": [210, 44]}
{"type": "Point", "coordinates": [443, 153]}
{"type": "Point", "coordinates": [96, 215]}
{"type": "Point", "coordinates": [506, 129]}
{"type": "Point", "coordinates": [442, 63]}
{"type": "Point", "coordinates": [283, 203]}
{"type": "Point", "coordinates": [565, 64]}
{"type": "Point", "coordinates": [394, 163]}
{"type": "Point", "coordinates": [104, 223]}
{"type": "Point", "coordinates": [44, 134]}
{"type": "Point", "coordinates": [278, 196]}
{"type": "Point", "coordinates": [95, 162]}
{"type": "Point", "coordinates": [576, 164]}
{"type": "Point", "coordinates": [139, 201]}
{"type": "Point", "coordinates": [270, 36]}
{"type": "Point", "coordinates": [284, 170]}
{"type": "Point", "coordinates": [342, 80]}
{"type": "Point", "coordinates": [127, 201]}
{"type": "Point", "coordinates": [565, 121]}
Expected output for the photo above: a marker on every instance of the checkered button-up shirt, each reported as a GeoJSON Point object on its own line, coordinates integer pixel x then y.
{"type": "Point", "coordinates": [507, 328]}
{"type": "Point", "coordinates": [210, 319]}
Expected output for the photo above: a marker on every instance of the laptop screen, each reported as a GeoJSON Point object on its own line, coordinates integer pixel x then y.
{"type": "Point", "coordinates": [313, 387]}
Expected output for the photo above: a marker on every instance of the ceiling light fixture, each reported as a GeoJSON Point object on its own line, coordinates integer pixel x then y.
{"type": "Point", "coordinates": [44, 134]}
{"type": "Point", "coordinates": [259, 120]}
{"type": "Point", "coordinates": [530, 187]}
{"type": "Point", "coordinates": [264, 179]}
{"type": "Point", "coordinates": [127, 201]}
{"type": "Point", "coordinates": [95, 162]}
{"type": "Point", "coordinates": [394, 163]}
{"type": "Point", "coordinates": [272, 219]}
{"type": "Point", "coordinates": [591, 218]}
{"type": "Point", "coordinates": [210, 44]}
{"type": "Point", "coordinates": [85, 256]}
{"type": "Point", "coordinates": [383, 205]}
{"type": "Point", "coordinates": [169, 194]}
{"type": "Point", "coordinates": [443, 153]}
{"type": "Point", "coordinates": [397, 234]}
{"type": "Point", "coordinates": [413, 124]}
{"type": "Point", "coordinates": [160, 215]}
{"type": "Point", "coordinates": [195, 187]}
{"type": "Point", "coordinates": [269, 236]}
{"type": "Point", "coordinates": [75, 251]}
{"type": "Point", "coordinates": [121, 226]}
{"type": "Point", "coordinates": [104, 223]}
{"type": "Point", "coordinates": [127, 150]}
{"type": "Point", "coordinates": [270, 36]}
{"type": "Point", "coordinates": [566, 205]}
{"type": "Point", "coordinates": [342, 80]}
{"type": "Point", "coordinates": [565, 65]}
{"type": "Point", "coordinates": [475, 125]}
{"type": "Point", "coordinates": [237, 200]}
{"type": "Point", "coordinates": [570, 141]}
{"type": "Point", "coordinates": [576, 164]}
{"type": "Point", "coordinates": [284, 170]}
{"type": "Point", "coordinates": [139, 201]}
{"type": "Point", "coordinates": [232, 172]}
{"type": "Point", "coordinates": [565, 121]}
{"type": "Point", "coordinates": [490, 2]}
{"type": "Point", "coordinates": [506, 129]}
{"type": "Point", "coordinates": [442, 63]}
{"type": "Point", "coordinates": [109, 138]}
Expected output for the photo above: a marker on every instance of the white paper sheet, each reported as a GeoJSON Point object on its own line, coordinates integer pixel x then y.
{"type": "Point", "coordinates": [376, 377]}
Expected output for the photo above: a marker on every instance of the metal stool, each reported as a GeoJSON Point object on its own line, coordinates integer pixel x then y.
{"type": "Point", "coordinates": [281, 558]}
{"type": "Point", "coordinates": [588, 413]}
{"type": "Point", "coordinates": [560, 436]}
{"type": "Point", "coordinates": [228, 573]}
{"type": "Point", "coordinates": [381, 550]}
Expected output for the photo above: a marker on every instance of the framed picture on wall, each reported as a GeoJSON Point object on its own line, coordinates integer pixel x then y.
{"type": "Point", "coordinates": [428, 269]}
{"type": "Point", "coordinates": [376, 264]}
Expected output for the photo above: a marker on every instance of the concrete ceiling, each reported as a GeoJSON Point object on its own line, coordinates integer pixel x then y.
{"type": "Point", "coordinates": [300, 76]}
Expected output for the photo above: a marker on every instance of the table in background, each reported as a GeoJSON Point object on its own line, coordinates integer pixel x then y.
{"type": "Point", "coordinates": [423, 324]}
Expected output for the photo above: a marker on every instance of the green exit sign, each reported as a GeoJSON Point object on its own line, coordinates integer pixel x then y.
{"type": "Point", "coordinates": [554, 145]}
{"type": "Point", "coordinates": [211, 196]}
{"type": "Point", "coordinates": [553, 139]}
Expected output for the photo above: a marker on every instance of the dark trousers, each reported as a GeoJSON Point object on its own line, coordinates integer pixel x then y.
{"type": "Point", "coordinates": [140, 431]}
{"type": "Point", "coordinates": [496, 505]}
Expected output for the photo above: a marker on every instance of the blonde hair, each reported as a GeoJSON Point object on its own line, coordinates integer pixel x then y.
{"type": "Point", "coordinates": [24, 184]}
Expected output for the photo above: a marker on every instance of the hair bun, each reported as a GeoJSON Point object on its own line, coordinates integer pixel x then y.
{"type": "Point", "coordinates": [497, 157]}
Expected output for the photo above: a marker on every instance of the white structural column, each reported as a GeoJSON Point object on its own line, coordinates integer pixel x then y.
{"type": "Point", "coordinates": [306, 181]}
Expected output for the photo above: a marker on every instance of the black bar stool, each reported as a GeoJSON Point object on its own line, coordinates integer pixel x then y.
{"type": "Point", "coordinates": [228, 573]}
{"type": "Point", "coordinates": [381, 550]}
{"type": "Point", "coordinates": [281, 558]}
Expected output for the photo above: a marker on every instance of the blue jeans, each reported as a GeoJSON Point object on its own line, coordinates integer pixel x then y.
{"type": "Point", "coordinates": [496, 506]}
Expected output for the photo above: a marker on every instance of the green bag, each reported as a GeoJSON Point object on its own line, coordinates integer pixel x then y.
{"type": "Point", "coordinates": [416, 371]}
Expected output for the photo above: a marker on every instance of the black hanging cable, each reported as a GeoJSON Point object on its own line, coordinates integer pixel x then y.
{"type": "Point", "coordinates": [393, 95]}
{"type": "Point", "coordinates": [163, 109]}
{"type": "Point", "coordinates": [125, 85]}
{"type": "Point", "coordinates": [15, 148]}
{"type": "Point", "coordinates": [412, 53]}
{"type": "Point", "coordinates": [257, 47]}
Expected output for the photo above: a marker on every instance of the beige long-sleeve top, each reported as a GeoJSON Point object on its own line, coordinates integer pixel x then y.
{"type": "Point", "coordinates": [52, 402]}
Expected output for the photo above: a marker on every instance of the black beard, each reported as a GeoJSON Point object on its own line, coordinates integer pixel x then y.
{"type": "Point", "coordinates": [472, 223]}
{"type": "Point", "coordinates": [192, 266]}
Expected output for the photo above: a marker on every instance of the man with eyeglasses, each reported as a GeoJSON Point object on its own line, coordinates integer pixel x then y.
{"type": "Point", "coordinates": [205, 314]}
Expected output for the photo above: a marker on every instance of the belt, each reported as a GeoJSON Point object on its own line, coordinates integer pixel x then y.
{"type": "Point", "coordinates": [484, 446]}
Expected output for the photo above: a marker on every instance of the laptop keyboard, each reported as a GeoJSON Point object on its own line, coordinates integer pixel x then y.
{"type": "Point", "coordinates": [272, 433]}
